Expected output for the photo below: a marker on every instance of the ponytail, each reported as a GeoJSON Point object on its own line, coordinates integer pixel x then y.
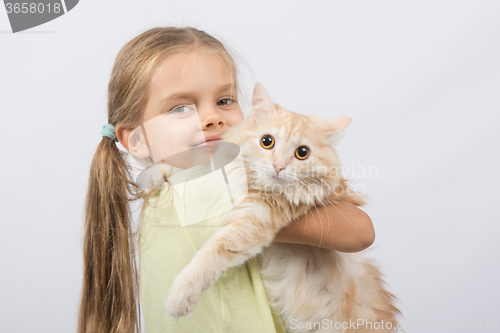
{"type": "Point", "coordinates": [109, 300]}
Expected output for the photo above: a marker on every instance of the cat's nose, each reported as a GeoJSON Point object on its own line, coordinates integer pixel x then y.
{"type": "Point", "coordinates": [278, 168]}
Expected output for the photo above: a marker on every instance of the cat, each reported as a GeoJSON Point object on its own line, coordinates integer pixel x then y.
{"type": "Point", "coordinates": [312, 289]}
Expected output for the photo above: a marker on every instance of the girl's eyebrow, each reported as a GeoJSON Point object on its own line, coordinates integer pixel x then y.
{"type": "Point", "coordinates": [175, 96]}
{"type": "Point", "coordinates": [227, 87]}
{"type": "Point", "coordinates": [183, 95]}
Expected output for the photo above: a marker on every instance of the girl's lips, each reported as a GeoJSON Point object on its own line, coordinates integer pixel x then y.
{"type": "Point", "coordinates": [205, 143]}
{"type": "Point", "coordinates": [211, 137]}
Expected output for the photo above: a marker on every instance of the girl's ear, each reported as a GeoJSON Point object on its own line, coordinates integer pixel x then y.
{"type": "Point", "coordinates": [336, 125]}
{"type": "Point", "coordinates": [261, 101]}
{"type": "Point", "coordinates": [133, 141]}
{"type": "Point", "coordinates": [139, 150]}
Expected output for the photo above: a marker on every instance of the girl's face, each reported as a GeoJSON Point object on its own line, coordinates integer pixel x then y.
{"type": "Point", "coordinates": [192, 98]}
{"type": "Point", "coordinates": [196, 97]}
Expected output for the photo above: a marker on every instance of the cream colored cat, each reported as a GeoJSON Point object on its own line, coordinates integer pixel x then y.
{"type": "Point", "coordinates": [291, 166]}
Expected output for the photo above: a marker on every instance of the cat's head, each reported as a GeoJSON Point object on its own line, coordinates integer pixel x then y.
{"type": "Point", "coordinates": [287, 153]}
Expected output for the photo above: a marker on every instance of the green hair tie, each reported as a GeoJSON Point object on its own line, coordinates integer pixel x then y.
{"type": "Point", "coordinates": [109, 131]}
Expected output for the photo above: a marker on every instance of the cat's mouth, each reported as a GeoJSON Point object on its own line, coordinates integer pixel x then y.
{"type": "Point", "coordinates": [277, 177]}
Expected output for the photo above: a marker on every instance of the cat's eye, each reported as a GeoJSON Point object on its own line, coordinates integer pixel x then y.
{"type": "Point", "coordinates": [267, 142]}
{"type": "Point", "coordinates": [302, 152]}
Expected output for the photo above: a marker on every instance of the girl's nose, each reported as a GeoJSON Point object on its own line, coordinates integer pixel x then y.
{"type": "Point", "coordinates": [211, 118]}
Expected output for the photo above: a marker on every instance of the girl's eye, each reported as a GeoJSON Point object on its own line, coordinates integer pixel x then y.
{"type": "Point", "coordinates": [302, 152]}
{"type": "Point", "coordinates": [267, 141]}
{"type": "Point", "coordinates": [226, 101]}
{"type": "Point", "coordinates": [180, 109]}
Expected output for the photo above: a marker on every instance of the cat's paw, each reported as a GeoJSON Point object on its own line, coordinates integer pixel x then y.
{"type": "Point", "coordinates": [182, 298]}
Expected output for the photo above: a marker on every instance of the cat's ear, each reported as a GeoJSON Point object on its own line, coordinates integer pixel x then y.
{"type": "Point", "coordinates": [338, 123]}
{"type": "Point", "coordinates": [261, 101]}
{"type": "Point", "coordinates": [336, 126]}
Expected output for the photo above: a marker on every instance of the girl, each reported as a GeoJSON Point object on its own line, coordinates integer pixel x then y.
{"type": "Point", "coordinates": [162, 70]}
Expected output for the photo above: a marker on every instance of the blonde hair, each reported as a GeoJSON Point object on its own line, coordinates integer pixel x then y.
{"type": "Point", "coordinates": [110, 296]}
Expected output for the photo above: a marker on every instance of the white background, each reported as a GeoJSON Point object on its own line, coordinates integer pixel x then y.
{"type": "Point", "coordinates": [420, 79]}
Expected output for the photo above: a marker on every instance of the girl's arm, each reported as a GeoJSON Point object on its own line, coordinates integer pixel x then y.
{"type": "Point", "coordinates": [343, 227]}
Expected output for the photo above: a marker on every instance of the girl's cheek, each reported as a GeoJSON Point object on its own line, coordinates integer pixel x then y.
{"type": "Point", "coordinates": [237, 118]}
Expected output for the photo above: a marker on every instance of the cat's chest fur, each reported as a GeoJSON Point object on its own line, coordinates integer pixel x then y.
{"type": "Point", "coordinates": [281, 211]}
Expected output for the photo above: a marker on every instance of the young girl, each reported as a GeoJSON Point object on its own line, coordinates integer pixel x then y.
{"type": "Point", "coordinates": [163, 70]}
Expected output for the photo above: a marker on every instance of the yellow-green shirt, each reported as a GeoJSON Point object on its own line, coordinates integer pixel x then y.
{"type": "Point", "coordinates": [237, 302]}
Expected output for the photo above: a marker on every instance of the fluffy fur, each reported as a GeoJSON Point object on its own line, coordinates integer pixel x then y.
{"type": "Point", "coordinates": [306, 285]}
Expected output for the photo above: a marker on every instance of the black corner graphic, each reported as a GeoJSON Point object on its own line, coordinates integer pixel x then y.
{"type": "Point", "coordinates": [24, 14]}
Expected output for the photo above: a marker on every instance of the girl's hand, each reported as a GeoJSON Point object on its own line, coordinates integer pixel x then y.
{"type": "Point", "coordinates": [343, 227]}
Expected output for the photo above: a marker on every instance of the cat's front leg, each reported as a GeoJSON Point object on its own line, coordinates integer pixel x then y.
{"type": "Point", "coordinates": [244, 235]}
{"type": "Point", "coordinates": [184, 293]}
